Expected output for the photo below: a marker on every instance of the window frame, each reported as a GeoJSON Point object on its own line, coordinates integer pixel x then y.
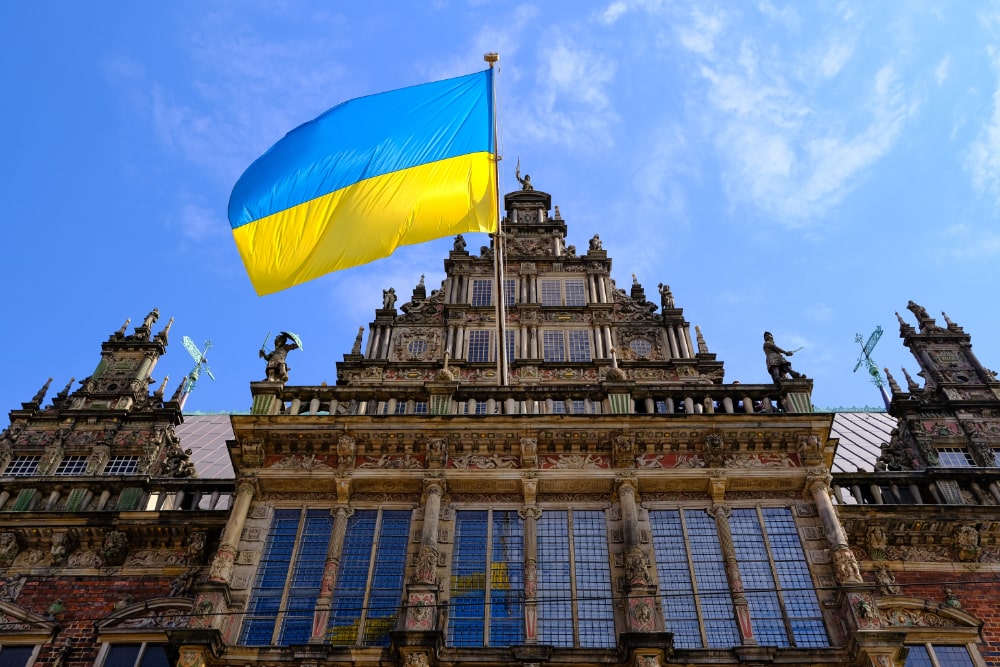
{"type": "Point", "coordinates": [563, 296]}
{"type": "Point", "coordinates": [490, 345]}
{"type": "Point", "coordinates": [34, 646]}
{"type": "Point", "coordinates": [568, 346]}
{"type": "Point", "coordinates": [379, 546]}
{"type": "Point", "coordinates": [602, 631]}
{"type": "Point", "coordinates": [481, 292]}
{"type": "Point", "coordinates": [487, 628]}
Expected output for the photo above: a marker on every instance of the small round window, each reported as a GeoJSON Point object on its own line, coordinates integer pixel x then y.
{"type": "Point", "coordinates": [641, 347]}
{"type": "Point", "coordinates": [417, 347]}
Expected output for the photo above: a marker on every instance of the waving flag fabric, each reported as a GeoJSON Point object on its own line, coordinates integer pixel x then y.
{"type": "Point", "coordinates": [366, 177]}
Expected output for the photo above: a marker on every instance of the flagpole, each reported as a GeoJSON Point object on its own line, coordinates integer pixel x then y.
{"type": "Point", "coordinates": [498, 241]}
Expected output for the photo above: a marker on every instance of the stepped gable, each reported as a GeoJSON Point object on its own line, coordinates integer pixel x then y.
{"type": "Point", "coordinates": [955, 412]}
{"type": "Point", "coordinates": [562, 307]}
{"type": "Point", "coordinates": [119, 412]}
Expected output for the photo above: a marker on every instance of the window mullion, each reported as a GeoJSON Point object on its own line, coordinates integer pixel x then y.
{"type": "Point", "coordinates": [573, 600]}
{"type": "Point", "coordinates": [488, 577]}
{"type": "Point", "coordinates": [289, 576]}
{"type": "Point", "coordinates": [363, 618]}
{"type": "Point", "coordinates": [931, 655]}
{"type": "Point", "coordinates": [141, 655]}
{"type": "Point", "coordinates": [694, 579]}
{"type": "Point", "coordinates": [774, 576]}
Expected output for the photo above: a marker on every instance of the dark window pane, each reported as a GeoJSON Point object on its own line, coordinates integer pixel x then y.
{"type": "Point", "coordinates": [154, 656]}
{"type": "Point", "coordinates": [15, 656]}
{"type": "Point", "coordinates": [122, 655]}
{"type": "Point", "coordinates": [352, 578]}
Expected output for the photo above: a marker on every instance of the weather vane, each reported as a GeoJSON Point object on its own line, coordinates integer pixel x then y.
{"type": "Point", "coordinates": [866, 359]}
{"type": "Point", "coordinates": [200, 362]}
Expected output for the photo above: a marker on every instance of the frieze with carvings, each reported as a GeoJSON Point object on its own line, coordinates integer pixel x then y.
{"type": "Point", "coordinates": [923, 553]}
{"type": "Point", "coordinates": [529, 246]}
{"type": "Point", "coordinates": [391, 461]}
{"type": "Point", "coordinates": [569, 374]}
{"type": "Point", "coordinates": [300, 461]}
{"type": "Point", "coordinates": [168, 618]}
{"type": "Point", "coordinates": [674, 496]}
{"type": "Point", "coordinates": [652, 460]}
{"type": "Point", "coordinates": [582, 318]}
{"type": "Point", "coordinates": [753, 495]}
{"type": "Point", "coordinates": [10, 624]}
{"type": "Point", "coordinates": [483, 498]}
{"type": "Point", "coordinates": [409, 374]}
{"type": "Point", "coordinates": [305, 497]}
{"type": "Point", "coordinates": [583, 497]}
{"type": "Point", "coordinates": [155, 558]}
{"type": "Point", "coordinates": [484, 462]}
{"type": "Point", "coordinates": [575, 461]}
{"type": "Point", "coordinates": [379, 497]}
{"type": "Point", "coordinates": [901, 617]}
{"type": "Point", "coordinates": [762, 461]}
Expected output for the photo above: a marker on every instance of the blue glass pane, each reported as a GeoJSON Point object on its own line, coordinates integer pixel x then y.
{"type": "Point", "coordinates": [15, 656]}
{"type": "Point", "coordinates": [387, 578]}
{"type": "Point", "coordinates": [951, 656]}
{"type": "Point", "coordinates": [467, 605]}
{"type": "Point", "coordinates": [506, 580]}
{"type": "Point", "coordinates": [307, 577]}
{"type": "Point", "coordinates": [801, 605]}
{"type": "Point", "coordinates": [352, 578]}
{"type": "Point", "coordinates": [755, 570]}
{"type": "Point", "coordinates": [119, 655]}
{"type": "Point", "coordinates": [154, 656]}
{"type": "Point", "coordinates": [712, 584]}
{"type": "Point", "coordinates": [676, 589]}
{"type": "Point", "coordinates": [918, 657]}
{"type": "Point", "coordinates": [269, 586]}
{"type": "Point", "coordinates": [593, 580]}
{"type": "Point", "coordinates": [555, 608]}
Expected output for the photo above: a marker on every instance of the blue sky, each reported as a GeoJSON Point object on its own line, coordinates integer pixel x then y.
{"type": "Point", "coordinates": [805, 168]}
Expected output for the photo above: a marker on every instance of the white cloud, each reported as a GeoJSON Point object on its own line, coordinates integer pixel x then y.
{"type": "Point", "coordinates": [983, 156]}
{"type": "Point", "coordinates": [785, 15]}
{"type": "Point", "coordinates": [612, 12]}
{"type": "Point", "coordinates": [784, 146]}
{"type": "Point", "coordinates": [942, 70]}
{"type": "Point", "coordinates": [700, 35]}
{"type": "Point", "coordinates": [199, 223]}
{"type": "Point", "coordinates": [835, 58]}
{"type": "Point", "coordinates": [573, 106]}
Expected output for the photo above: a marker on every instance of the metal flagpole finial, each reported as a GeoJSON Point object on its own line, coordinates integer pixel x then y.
{"type": "Point", "coordinates": [492, 57]}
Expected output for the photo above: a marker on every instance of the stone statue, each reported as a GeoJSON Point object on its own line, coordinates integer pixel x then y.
{"type": "Point", "coordinates": [389, 298]}
{"type": "Point", "coordinates": [666, 297]}
{"type": "Point", "coordinates": [357, 341]}
{"type": "Point", "coordinates": [526, 181]}
{"type": "Point", "coordinates": [459, 244]}
{"type": "Point", "coordinates": [777, 366]}
{"type": "Point", "coordinates": [571, 251]}
{"type": "Point", "coordinates": [151, 318]}
{"type": "Point", "coordinates": [277, 369]}
{"type": "Point", "coordinates": [595, 243]}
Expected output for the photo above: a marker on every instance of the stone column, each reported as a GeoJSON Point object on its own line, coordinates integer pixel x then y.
{"type": "Point", "coordinates": [531, 514]}
{"type": "Point", "coordinates": [641, 601]}
{"type": "Point", "coordinates": [422, 592]}
{"type": "Point", "coordinates": [721, 515]}
{"type": "Point", "coordinates": [321, 618]}
{"type": "Point", "coordinates": [844, 562]}
{"type": "Point", "coordinates": [221, 570]}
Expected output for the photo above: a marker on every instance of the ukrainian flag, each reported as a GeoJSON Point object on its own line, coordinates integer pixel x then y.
{"type": "Point", "coordinates": [366, 177]}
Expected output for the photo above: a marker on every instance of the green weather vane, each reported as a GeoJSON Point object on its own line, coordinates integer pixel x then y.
{"type": "Point", "coordinates": [866, 359]}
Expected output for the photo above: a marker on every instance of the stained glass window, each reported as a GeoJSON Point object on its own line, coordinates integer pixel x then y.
{"type": "Point", "coordinates": [487, 610]}
{"type": "Point", "coordinates": [369, 588]}
{"type": "Point", "coordinates": [574, 580]}
{"type": "Point", "coordinates": [284, 596]}
{"type": "Point", "coordinates": [694, 588]}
